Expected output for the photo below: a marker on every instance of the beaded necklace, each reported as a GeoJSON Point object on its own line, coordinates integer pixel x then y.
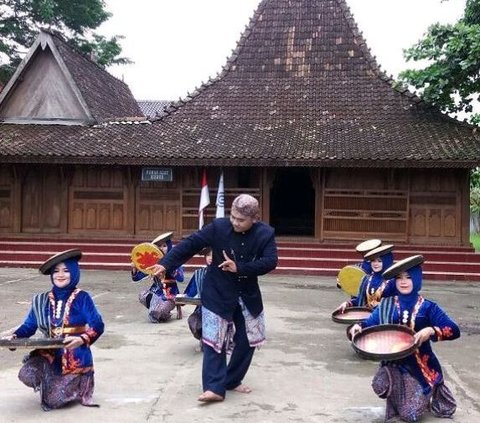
{"type": "Point", "coordinates": [60, 319]}
{"type": "Point", "coordinates": [404, 316]}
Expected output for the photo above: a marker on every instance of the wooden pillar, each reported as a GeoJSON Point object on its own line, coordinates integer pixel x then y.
{"type": "Point", "coordinates": [131, 198]}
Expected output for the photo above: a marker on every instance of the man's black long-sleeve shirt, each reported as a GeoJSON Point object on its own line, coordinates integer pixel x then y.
{"type": "Point", "coordinates": [254, 252]}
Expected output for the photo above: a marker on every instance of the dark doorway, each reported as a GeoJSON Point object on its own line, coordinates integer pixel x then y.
{"type": "Point", "coordinates": [292, 202]}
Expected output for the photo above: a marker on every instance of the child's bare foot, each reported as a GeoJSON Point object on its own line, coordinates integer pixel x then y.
{"type": "Point", "coordinates": [243, 389]}
{"type": "Point", "coordinates": [209, 396]}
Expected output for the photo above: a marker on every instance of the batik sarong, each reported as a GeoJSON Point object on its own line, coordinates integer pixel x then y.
{"type": "Point", "coordinates": [405, 396]}
{"type": "Point", "coordinates": [56, 390]}
{"type": "Point", "coordinates": [218, 332]}
{"type": "Point", "coordinates": [158, 310]}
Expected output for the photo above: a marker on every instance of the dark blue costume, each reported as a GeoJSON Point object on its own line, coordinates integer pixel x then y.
{"type": "Point", "coordinates": [255, 253]}
{"type": "Point", "coordinates": [373, 287]}
{"type": "Point", "coordinates": [159, 298]}
{"type": "Point", "coordinates": [404, 399]}
{"type": "Point", "coordinates": [77, 314]}
{"type": "Point", "coordinates": [62, 375]}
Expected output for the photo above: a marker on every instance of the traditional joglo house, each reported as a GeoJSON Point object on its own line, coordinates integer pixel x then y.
{"type": "Point", "coordinates": [301, 116]}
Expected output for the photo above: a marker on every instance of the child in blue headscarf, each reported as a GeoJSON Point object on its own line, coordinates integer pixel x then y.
{"type": "Point", "coordinates": [159, 299]}
{"type": "Point", "coordinates": [66, 312]}
{"type": "Point", "coordinates": [415, 384]}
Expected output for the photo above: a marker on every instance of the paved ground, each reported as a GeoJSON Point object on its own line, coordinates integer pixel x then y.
{"type": "Point", "coordinates": [307, 372]}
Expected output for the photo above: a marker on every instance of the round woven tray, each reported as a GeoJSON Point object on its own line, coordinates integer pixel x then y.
{"type": "Point", "coordinates": [32, 343]}
{"type": "Point", "coordinates": [351, 315]}
{"type": "Point", "coordinates": [384, 342]}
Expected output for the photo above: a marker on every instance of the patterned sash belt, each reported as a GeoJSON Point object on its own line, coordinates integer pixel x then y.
{"type": "Point", "coordinates": [74, 330]}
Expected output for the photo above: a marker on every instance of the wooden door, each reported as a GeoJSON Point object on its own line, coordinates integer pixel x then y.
{"type": "Point", "coordinates": [42, 200]}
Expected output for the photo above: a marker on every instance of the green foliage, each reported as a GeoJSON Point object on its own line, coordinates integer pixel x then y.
{"type": "Point", "coordinates": [475, 178]}
{"type": "Point", "coordinates": [451, 79]}
{"type": "Point", "coordinates": [475, 208]}
{"type": "Point", "coordinates": [475, 240]}
{"type": "Point", "coordinates": [20, 21]}
{"type": "Point", "coordinates": [475, 200]}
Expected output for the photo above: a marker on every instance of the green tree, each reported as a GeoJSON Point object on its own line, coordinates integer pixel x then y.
{"type": "Point", "coordinates": [75, 20]}
{"type": "Point", "coordinates": [451, 79]}
{"type": "Point", "coordinates": [475, 178]}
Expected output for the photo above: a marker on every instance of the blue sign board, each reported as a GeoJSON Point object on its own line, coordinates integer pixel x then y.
{"type": "Point", "coordinates": [157, 174]}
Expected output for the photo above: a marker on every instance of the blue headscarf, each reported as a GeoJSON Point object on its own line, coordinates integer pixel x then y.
{"type": "Point", "coordinates": [366, 266]}
{"type": "Point", "coordinates": [377, 278]}
{"type": "Point", "coordinates": [408, 301]}
{"type": "Point", "coordinates": [74, 269]}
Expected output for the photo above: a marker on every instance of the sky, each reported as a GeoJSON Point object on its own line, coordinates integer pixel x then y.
{"type": "Point", "coordinates": [178, 44]}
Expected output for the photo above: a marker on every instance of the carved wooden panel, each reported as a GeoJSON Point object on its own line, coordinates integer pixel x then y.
{"type": "Point", "coordinates": [42, 199]}
{"type": "Point", "coordinates": [98, 201]}
{"type": "Point", "coordinates": [5, 209]}
{"type": "Point", "coordinates": [435, 209]}
{"type": "Point", "coordinates": [158, 218]}
{"type": "Point", "coordinates": [433, 223]}
{"type": "Point", "coordinates": [158, 210]}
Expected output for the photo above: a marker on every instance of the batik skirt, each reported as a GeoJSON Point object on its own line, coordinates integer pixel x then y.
{"type": "Point", "coordinates": [218, 333]}
{"type": "Point", "coordinates": [56, 390]}
{"type": "Point", "coordinates": [159, 310]}
{"type": "Point", "coordinates": [406, 399]}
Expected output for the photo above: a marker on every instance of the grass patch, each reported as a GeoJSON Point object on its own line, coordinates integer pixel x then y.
{"type": "Point", "coordinates": [475, 240]}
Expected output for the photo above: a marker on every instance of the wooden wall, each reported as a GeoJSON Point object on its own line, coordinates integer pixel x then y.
{"type": "Point", "coordinates": [401, 205]}
{"type": "Point", "coordinates": [49, 93]}
{"type": "Point", "coordinates": [435, 206]}
{"type": "Point", "coordinates": [98, 201]}
{"type": "Point", "coordinates": [407, 205]}
{"type": "Point", "coordinates": [8, 205]}
{"type": "Point", "coordinates": [365, 203]}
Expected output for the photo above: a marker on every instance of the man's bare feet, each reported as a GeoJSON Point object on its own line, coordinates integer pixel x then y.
{"type": "Point", "coordinates": [243, 389]}
{"type": "Point", "coordinates": [209, 396]}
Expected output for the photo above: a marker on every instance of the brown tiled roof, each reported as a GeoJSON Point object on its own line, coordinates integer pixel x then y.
{"type": "Point", "coordinates": [143, 143]}
{"type": "Point", "coordinates": [153, 109]}
{"type": "Point", "coordinates": [300, 89]}
{"type": "Point", "coordinates": [302, 85]}
{"type": "Point", "coordinates": [106, 96]}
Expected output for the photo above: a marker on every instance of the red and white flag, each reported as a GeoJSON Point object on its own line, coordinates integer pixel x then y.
{"type": "Point", "coordinates": [204, 199]}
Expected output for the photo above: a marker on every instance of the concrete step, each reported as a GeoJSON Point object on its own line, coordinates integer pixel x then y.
{"type": "Point", "coordinates": [295, 258]}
